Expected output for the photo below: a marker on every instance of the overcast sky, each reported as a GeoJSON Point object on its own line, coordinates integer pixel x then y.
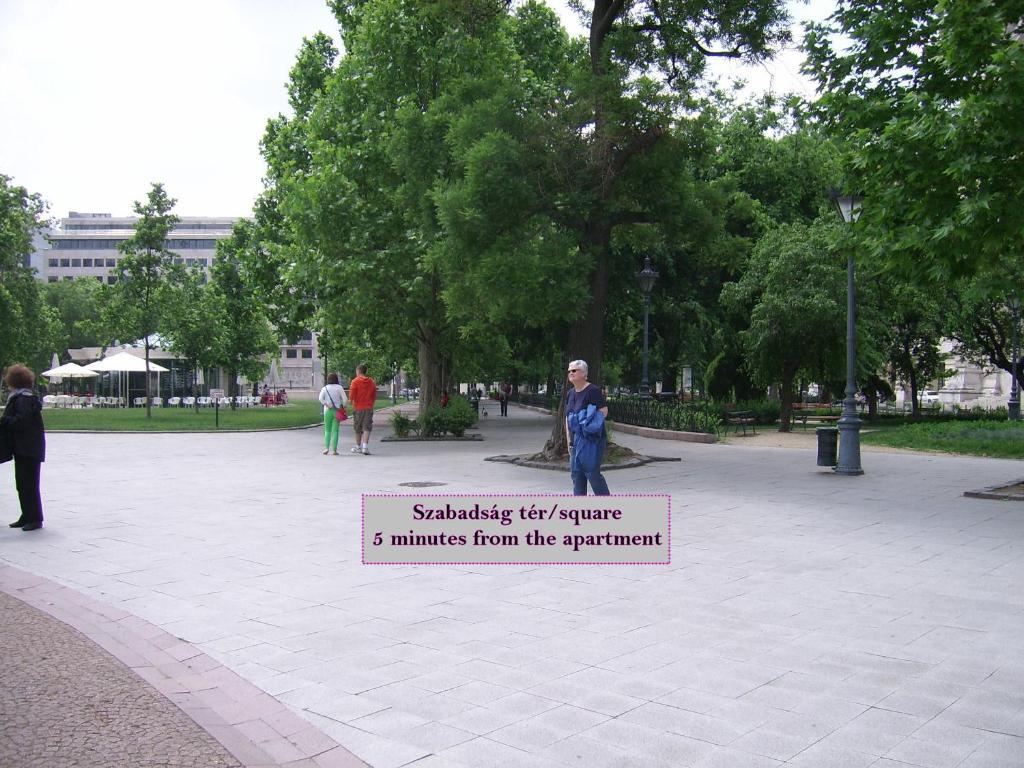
{"type": "Point", "coordinates": [101, 98]}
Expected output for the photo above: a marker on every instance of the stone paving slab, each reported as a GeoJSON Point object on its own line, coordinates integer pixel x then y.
{"type": "Point", "coordinates": [806, 619]}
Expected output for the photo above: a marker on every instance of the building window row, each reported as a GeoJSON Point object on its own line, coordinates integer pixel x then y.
{"type": "Point", "coordinates": [107, 262]}
{"type": "Point", "coordinates": [182, 227]}
{"type": "Point", "coordinates": [291, 354]}
{"type": "Point", "coordinates": [109, 279]}
{"type": "Point", "coordinates": [109, 245]}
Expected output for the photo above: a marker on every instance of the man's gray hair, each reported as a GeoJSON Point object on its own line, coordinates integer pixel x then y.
{"type": "Point", "coordinates": [581, 364]}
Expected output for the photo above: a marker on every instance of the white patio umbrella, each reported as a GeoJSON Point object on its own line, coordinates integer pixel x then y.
{"type": "Point", "coordinates": [69, 371]}
{"type": "Point", "coordinates": [124, 362]}
{"type": "Point", "coordinates": [273, 379]}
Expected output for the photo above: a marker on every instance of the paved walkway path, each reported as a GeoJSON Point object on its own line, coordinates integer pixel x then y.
{"type": "Point", "coordinates": [807, 619]}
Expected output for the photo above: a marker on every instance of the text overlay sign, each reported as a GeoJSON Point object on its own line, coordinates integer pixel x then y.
{"type": "Point", "coordinates": [505, 528]}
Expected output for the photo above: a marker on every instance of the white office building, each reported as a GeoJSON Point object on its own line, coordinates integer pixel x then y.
{"type": "Point", "coordinates": [84, 245]}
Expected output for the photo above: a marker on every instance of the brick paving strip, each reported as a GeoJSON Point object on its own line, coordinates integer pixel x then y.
{"type": "Point", "coordinates": [85, 684]}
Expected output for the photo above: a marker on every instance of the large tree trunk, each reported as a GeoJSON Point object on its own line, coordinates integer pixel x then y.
{"type": "Point", "coordinates": [586, 335]}
{"type": "Point", "coordinates": [429, 359]}
{"type": "Point", "coordinates": [556, 446]}
{"type": "Point", "coordinates": [915, 408]}
{"type": "Point", "coordinates": [786, 402]}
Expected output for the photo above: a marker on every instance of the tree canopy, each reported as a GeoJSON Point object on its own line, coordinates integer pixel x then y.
{"type": "Point", "coordinates": [31, 329]}
{"type": "Point", "coordinates": [925, 95]}
{"type": "Point", "coordinates": [138, 300]}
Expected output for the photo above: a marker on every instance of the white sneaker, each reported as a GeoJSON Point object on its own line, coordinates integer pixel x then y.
{"type": "Point", "coordinates": [366, 451]}
{"type": "Point", "coordinates": [355, 449]}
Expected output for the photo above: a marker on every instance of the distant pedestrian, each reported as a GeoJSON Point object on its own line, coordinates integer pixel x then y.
{"type": "Point", "coordinates": [23, 433]}
{"type": "Point", "coordinates": [584, 431]}
{"type": "Point", "coordinates": [504, 392]}
{"type": "Point", "coordinates": [332, 397]}
{"type": "Point", "coordinates": [363, 391]}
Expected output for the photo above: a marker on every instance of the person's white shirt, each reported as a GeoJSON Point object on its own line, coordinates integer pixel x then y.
{"type": "Point", "coordinates": [333, 395]}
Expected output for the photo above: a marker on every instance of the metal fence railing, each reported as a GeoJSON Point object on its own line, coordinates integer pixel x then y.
{"type": "Point", "coordinates": [540, 401]}
{"type": "Point", "coordinates": [647, 412]}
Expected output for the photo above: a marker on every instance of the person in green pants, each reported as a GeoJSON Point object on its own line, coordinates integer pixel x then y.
{"type": "Point", "coordinates": [333, 397]}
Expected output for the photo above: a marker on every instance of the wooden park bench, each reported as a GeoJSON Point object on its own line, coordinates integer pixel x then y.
{"type": "Point", "coordinates": [804, 416]}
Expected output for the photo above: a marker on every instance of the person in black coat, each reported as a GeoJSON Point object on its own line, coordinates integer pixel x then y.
{"type": "Point", "coordinates": [22, 424]}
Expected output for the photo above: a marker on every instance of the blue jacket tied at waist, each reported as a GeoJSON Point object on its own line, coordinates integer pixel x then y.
{"type": "Point", "coordinates": [587, 427]}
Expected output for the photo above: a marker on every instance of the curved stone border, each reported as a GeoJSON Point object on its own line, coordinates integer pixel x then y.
{"type": "Point", "coordinates": [177, 431]}
{"type": "Point", "coordinates": [257, 729]}
{"type": "Point", "coordinates": [997, 492]}
{"type": "Point", "coordinates": [636, 461]}
{"type": "Point", "coordinates": [664, 434]}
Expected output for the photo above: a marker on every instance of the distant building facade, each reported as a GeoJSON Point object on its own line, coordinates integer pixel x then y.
{"type": "Point", "coordinates": [969, 386]}
{"type": "Point", "coordinates": [85, 246]}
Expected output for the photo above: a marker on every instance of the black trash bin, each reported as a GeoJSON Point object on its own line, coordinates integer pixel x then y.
{"type": "Point", "coordinates": [828, 446]}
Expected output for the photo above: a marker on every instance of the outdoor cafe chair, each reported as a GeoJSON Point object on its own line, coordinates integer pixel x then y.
{"type": "Point", "coordinates": [188, 402]}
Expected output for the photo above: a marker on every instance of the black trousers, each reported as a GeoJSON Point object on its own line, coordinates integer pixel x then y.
{"type": "Point", "coordinates": [26, 479]}
{"type": "Point", "coordinates": [504, 406]}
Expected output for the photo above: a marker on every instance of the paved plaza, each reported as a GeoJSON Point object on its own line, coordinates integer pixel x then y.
{"type": "Point", "coordinates": [807, 620]}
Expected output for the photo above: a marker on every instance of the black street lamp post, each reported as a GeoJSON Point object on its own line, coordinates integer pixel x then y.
{"type": "Point", "coordinates": [1013, 406]}
{"type": "Point", "coordinates": [647, 277]}
{"type": "Point", "coordinates": [849, 423]}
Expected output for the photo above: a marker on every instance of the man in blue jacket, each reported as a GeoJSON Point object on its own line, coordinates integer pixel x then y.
{"type": "Point", "coordinates": [580, 395]}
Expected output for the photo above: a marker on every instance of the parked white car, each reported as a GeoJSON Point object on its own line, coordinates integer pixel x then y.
{"type": "Point", "coordinates": [930, 397]}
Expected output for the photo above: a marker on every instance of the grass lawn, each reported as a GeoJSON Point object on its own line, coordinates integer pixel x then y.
{"type": "Point", "coordinates": [298, 413]}
{"type": "Point", "coordinates": [998, 439]}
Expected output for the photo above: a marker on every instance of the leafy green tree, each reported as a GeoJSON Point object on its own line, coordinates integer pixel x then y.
{"type": "Point", "coordinates": [190, 325]}
{"type": "Point", "coordinates": [244, 338]}
{"type": "Point", "coordinates": [31, 329]}
{"type": "Point", "coordinates": [138, 300]}
{"type": "Point", "coordinates": [926, 93]}
{"type": "Point", "coordinates": [915, 326]}
{"type": "Point", "coordinates": [795, 292]}
{"type": "Point", "coordinates": [603, 162]}
{"type": "Point", "coordinates": [644, 64]}
{"type": "Point", "coordinates": [370, 251]}
{"type": "Point", "coordinates": [78, 305]}
{"type": "Point", "coordinates": [462, 166]}
{"type": "Point", "coordinates": [978, 318]}
{"type": "Point", "coordinates": [758, 166]}
{"type": "Point", "coordinates": [276, 261]}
